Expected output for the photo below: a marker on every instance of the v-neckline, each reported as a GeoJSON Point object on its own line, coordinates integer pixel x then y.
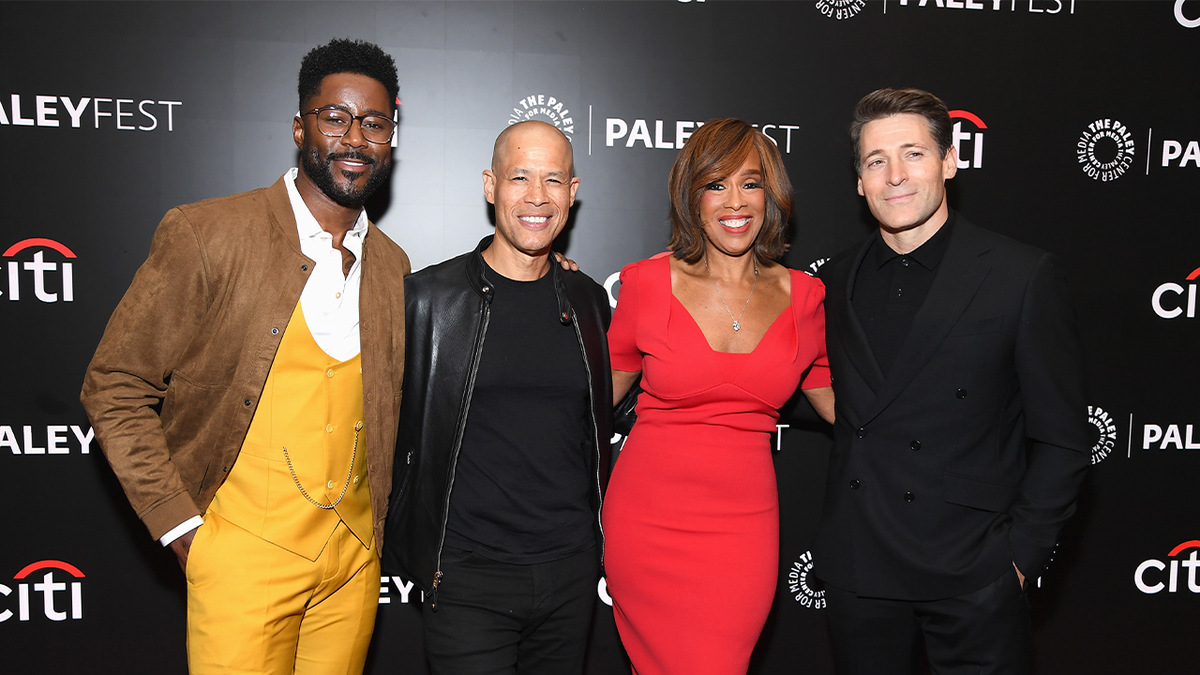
{"type": "Point", "coordinates": [791, 301]}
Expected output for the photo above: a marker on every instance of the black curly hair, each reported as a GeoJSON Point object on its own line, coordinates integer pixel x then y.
{"type": "Point", "coordinates": [343, 55]}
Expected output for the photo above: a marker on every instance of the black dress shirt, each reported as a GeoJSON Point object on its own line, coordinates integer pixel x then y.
{"type": "Point", "coordinates": [890, 288]}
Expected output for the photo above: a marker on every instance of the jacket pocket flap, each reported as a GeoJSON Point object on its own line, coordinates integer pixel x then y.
{"type": "Point", "coordinates": [978, 494]}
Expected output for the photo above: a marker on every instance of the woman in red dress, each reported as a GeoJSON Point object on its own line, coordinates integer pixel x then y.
{"type": "Point", "coordinates": [722, 335]}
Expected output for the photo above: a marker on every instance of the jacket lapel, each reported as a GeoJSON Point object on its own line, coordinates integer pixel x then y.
{"type": "Point", "coordinates": [852, 337]}
{"type": "Point", "coordinates": [958, 278]}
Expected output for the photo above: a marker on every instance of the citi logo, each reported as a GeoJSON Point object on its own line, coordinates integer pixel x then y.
{"type": "Point", "coordinates": [1183, 20]}
{"type": "Point", "coordinates": [1151, 582]}
{"type": "Point", "coordinates": [962, 138]}
{"type": "Point", "coordinates": [403, 589]}
{"type": "Point", "coordinates": [1172, 300]}
{"type": "Point", "coordinates": [60, 599]}
{"type": "Point", "coordinates": [52, 281]}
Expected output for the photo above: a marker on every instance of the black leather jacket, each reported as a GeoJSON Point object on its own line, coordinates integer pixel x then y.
{"type": "Point", "coordinates": [447, 307]}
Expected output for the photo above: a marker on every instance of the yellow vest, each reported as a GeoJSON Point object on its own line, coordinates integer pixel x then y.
{"type": "Point", "coordinates": [307, 414]}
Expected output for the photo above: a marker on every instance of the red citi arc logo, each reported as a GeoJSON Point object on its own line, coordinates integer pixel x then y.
{"type": "Point", "coordinates": [1172, 300]}
{"type": "Point", "coordinates": [975, 140]}
{"type": "Point", "coordinates": [44, 287]}
{"type": "Point", "coordinates": [49, 588]}
{"type": "Point", "coordinates": [1142, 577]}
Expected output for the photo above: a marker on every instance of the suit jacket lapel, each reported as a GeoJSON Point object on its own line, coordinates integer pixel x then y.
{"type": "Point", "coordinates": [959, 275]}
{"type": "Point", "coordinates": [853, 338]}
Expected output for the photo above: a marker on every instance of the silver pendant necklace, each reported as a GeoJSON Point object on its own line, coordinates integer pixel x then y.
{"type": "Point", "coordinates": [737, 323]}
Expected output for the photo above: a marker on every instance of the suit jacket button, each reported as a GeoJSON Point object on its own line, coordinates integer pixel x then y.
{"type": "Point", "coordinates": [862, 432]}
{"type": "Point", "coordinates": [908, 497]}
{"type": "Point", "coordinates": [854, 484]}
{"type": "Point", "coordinates": [915, 445]}
{"type": "Point", "coordinates": [961, 393]}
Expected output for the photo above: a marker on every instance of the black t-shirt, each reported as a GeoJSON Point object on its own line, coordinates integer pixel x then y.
{"type": "Point", "coordinates": [523, 481]}
{"type": "Point", "coordinates": [890, 289]}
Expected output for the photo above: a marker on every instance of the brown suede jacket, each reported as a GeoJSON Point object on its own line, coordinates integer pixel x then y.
{"type": "Point", "coordinates": [175, 381]}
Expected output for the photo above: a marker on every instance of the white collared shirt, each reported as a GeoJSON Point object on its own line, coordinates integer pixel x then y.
{"type": "Point", "coordinates": [329, 298]}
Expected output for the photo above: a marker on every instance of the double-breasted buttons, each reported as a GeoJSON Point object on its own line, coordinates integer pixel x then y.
{"type": "Point", "coordinates": [915, 445]}
{"type": "Point", "coordinates": [961, 393]}
{"type": "Point", "coordinates": [854, 483]}
{"type": "Point", "coordinates": [861, 432]}
{"type": "Point", "coordinates": [909, 497]}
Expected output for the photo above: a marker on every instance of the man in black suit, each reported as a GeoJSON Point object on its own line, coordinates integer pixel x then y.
{"type": "Point", "coordinates": [961, 439]}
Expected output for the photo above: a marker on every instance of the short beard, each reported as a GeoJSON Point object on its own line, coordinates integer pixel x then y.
{"type": "Point", "coordinates": [320, 171]}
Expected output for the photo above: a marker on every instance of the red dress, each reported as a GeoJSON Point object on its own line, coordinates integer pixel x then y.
{"type": "Point", "coordinates": [691, 516]}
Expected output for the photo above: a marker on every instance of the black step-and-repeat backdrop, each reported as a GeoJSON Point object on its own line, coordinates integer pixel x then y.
{"type": "Point", "coordinates": [1077, 131]}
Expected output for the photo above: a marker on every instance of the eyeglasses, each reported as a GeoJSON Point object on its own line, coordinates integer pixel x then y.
{"type": "Point", "coordinates": [336, 122]}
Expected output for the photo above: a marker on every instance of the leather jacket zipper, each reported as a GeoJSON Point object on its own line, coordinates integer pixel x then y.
{"type": "Point", "coordinates": [587, 368]}
{"type": "Point", "coordinates": [462, 427]}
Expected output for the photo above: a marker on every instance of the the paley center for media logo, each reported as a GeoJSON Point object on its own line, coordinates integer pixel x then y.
{"type": "Point", "coordinates": [546, 108]}
{"type": "Point", "coordinates": [1105, 150]}
{"type": "Point", "coordinates": [799, 580]}
{"type": "Point", "coordinates": [52, 589]}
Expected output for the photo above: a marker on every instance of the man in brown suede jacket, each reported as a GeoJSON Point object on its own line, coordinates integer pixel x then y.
{"type": "Point", "coordinates": [247, 389]}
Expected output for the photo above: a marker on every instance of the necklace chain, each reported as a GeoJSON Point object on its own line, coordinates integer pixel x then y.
{"type": "Point", "coordinates": [737, 323]}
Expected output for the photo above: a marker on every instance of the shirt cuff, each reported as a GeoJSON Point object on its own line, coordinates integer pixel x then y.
{"type": "Point", "coordinates": [181, 529]}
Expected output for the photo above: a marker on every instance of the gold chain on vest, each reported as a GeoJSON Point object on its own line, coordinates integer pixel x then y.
{"type": "Point", "coordinates": [345, 484]}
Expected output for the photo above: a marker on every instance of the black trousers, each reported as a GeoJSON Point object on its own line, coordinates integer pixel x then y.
{"type": "Point", "coordinates": [495, 617]}
{"type": "Point", "coordinates": [981, 633]}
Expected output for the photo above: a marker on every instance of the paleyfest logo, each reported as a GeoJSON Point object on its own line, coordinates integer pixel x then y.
{"type": "Point", "coordinates": [1105, 150]}
{"type": "Point", "coordinates": [545, 108]}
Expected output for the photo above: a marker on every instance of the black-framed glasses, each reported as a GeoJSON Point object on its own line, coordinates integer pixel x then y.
{"type": "Point", "coordinates": [336, 122]}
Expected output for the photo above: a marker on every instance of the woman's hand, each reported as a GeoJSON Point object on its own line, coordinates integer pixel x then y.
{"type": "Point", "coordinates": [622, 380]}
{"type": "Point", "coordinates": [821, 399]}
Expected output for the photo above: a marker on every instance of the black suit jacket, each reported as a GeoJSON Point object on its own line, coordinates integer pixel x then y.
{"type": "Point", "coordinates": [967, 457]}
